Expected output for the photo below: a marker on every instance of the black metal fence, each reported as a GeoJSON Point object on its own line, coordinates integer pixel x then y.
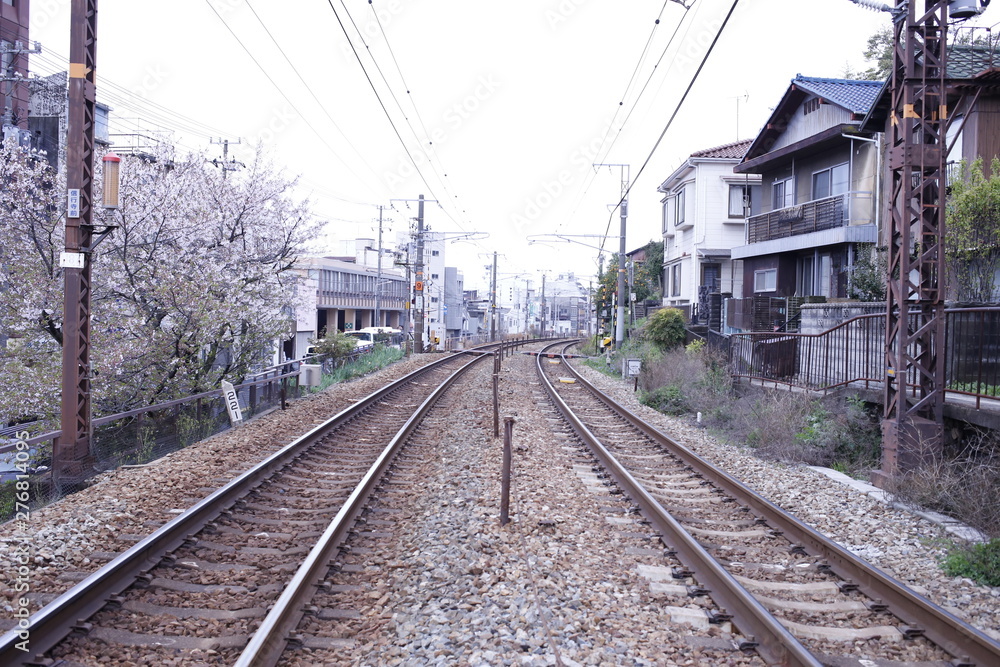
{"type": "Point", "coordinates": [145, 434]}
{"type": "Point", "coordinates": [853, 353]}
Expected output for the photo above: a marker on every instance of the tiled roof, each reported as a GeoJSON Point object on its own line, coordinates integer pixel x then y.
{"type": "Point", "coordinates": [734, 151]}
{"type": "Point", "coordinates": [967, 60]}
{"type": "Point", "coordinates": [855, 95]}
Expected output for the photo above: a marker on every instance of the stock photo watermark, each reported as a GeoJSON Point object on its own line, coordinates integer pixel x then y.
{"type": "Point", "coordinates": [21, 547]}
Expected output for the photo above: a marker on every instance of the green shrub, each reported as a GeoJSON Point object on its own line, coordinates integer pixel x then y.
{"type": "Point", "coordinates": [335, 344]}
{"type": "Point", "coordinates": [669, 400]}
{"type": "Point", "coordinates": [665, 328]}
{"type": "Point", "coordinates": [695, 347]}
{"type": "Point", "coordinates": [979, 562]}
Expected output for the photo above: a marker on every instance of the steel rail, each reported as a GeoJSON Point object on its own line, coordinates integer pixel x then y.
{"type": "Point", "coordinates": [769, 637]}
{"type": "Point", "coordinates": [923, 616]}
{"type": "Point", "coordinates": [56, 620]}
{"type": "Point", "coordinates": [273, 635]}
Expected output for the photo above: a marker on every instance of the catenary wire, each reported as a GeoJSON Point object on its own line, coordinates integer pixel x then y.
{"type": "Point", "coordinates": [670, 121]}
{"type": "Point", "coordinates": [381, 102]}
{"type": "Point", "coordinates": [311, 92]}
{"type": "Point", "coordinates": [276, 86]}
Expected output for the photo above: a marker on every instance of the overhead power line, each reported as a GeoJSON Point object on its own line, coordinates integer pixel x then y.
{"type": "Point", "coordinates": [677, 109]}
{"type": "Point", "coordinates": [313, 94]}
{"type": "Point", "coordinates": [277, 87]}
{"type": "Point", "coordinates": [602, 153]}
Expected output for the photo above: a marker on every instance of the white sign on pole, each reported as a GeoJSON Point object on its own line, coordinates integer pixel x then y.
{"type": "Point", "coordinates": [73, 203]}
{"type": "Point", "coordinates": [71, 260]}
{"type": "Point", "coordinates": [633, 367]}
{"type": "Point", "coordinates": [232, 402]}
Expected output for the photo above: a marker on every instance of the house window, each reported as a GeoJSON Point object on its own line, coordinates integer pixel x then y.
{"type": "Point", "coordinates": [783, 193]}
{"type": "Point", "coordinates": [831, 182]}
{"type": "Point", "coordinates": [434, 299]}
{"type": "Point", "coordinates": [679, 208]}
{"type": "Point", "coordinates": [434, 253]}
{"type": "Point", "coordinates": [744, 200]}
{"type": "Point", "coordinates": [434, 276]}
{"type": "Point", "coordinates": [810, 105]}
{"type": "Point", "coordinates": [765, 281]}
{"type": "Point", "coordinates": [675, 280]}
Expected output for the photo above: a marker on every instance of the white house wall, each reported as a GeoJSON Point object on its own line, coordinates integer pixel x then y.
{"type": "Point", "coordinates": [802, 126]}
{"type": "Point", "coordinates": [707, 209]}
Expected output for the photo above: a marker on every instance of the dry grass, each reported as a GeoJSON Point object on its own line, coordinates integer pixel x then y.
{"type": "Point", "coordinates": [963, 482]}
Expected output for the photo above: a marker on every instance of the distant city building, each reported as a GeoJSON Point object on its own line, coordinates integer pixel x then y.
{"type": "Point", "coordinates": [49, 113]}
{"type": "Point", "coordinates": [334, 294]}
{"type": "Point", "coordinates": [14, 49]}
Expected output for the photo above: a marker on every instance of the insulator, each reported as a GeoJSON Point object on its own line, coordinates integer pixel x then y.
{"type": "Point", "coordinates": [874, 6]}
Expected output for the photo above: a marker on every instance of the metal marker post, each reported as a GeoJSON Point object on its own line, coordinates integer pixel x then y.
{"type": "Point", "coordinates": [508, 430]}
{"type": "Point", "coordinates": [496, 396]}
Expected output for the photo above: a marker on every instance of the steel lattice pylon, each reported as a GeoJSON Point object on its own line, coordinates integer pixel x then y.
{"type": "Point", "coordinates": [71, 454]}
{"type": "Point", "coordinates": [914, 388]}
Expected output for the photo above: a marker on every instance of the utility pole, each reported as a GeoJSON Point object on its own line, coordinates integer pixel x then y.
{"type": "Point", "coordinates": [418, 285]}
{"type": "Point", "coordinates": [623, 209]}
{"type": "Point", "coordinates": [71, 455]}
{"type": "Point", "coordinates": [378, 273]}
{"type": "Point", "coordinates": [14, 115]}
{"type": "Point", "coordinates": [493, 300]}
{"type": "Point", "coordinates": [543, 306]}
{"type": "Point", "coordinates": [225, 164]}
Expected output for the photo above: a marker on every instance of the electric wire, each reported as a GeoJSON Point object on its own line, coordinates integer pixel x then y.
{"type": "Point", "coordinates": [424, 151]}
{"type": "Point", "coordinates": [155, 119]}
{"type": "Point", "coordinates": [680, 103]}
{"type": "Point", "coordinates": [381, 102]}
{"type": "Point", "coordinates": [276, 86]}
{"type": "Point", "coordinates": [601, 152]}
{"type": "Point", "coordinates": [431, 154]}
{"type": "Point", "coordinates": [311, 92]}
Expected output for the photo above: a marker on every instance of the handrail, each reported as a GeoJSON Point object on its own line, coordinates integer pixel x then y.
{"type": "Point", "coordinates": [853, 352]}
{"type": "Point", "coordinates": [107, 419]}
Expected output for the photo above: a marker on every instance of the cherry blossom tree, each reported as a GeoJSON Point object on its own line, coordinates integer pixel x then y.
{"type": "Point", "coordinates": [193, 286]}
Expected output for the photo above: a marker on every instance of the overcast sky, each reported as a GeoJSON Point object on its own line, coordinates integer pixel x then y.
{"type": "Point", "coordinates": [506, 105]}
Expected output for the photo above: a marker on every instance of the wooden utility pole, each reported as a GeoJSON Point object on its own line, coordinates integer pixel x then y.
{"type": "Point", "coordinates": [72, 456]}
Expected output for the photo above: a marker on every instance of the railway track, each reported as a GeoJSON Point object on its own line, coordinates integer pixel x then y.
{"type": "Point", "coordinates": [796, 597]}
{"type": "Point", "coordinates": [200, 587]}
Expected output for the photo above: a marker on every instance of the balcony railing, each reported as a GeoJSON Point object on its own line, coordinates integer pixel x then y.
{"type": "Point", "coordinates": [812, 216]}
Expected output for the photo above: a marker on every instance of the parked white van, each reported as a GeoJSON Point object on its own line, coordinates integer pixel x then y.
{"type": "Point", "coordinates": [369, 336]}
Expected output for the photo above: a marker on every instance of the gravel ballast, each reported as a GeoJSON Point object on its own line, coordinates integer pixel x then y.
{"type": "Point", "coordinates": [468, 591]}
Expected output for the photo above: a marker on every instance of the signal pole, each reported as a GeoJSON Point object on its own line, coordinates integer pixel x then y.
{"type": "Point", "coordinates": [493, 300]}
{"type": "Point", "coordinates": [623, 210]}
{"type": "Point", "coordinates": [378, 274]}
{"type": "Point", "coordinates": [418, 285]}
{"type": "Point", "coordinates": [71, 456]}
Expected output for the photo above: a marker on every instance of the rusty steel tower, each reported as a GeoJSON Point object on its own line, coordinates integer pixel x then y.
{"type": "Point", "coordinates": [915, 324]}
{"type": "Point", "coordinates": [72, 452]}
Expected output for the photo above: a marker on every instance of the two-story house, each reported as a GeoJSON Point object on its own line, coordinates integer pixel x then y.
{"type": "Point", "coordinates": [973, 102]}
{"type": "Point", "coordinates": [704, 210]}
{"type": "Point", "coordinates": [820, 190]}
